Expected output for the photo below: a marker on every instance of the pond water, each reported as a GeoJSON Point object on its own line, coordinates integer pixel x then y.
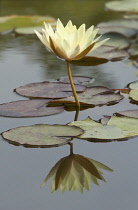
{"type": "Point", "coordinates": [23, 59]}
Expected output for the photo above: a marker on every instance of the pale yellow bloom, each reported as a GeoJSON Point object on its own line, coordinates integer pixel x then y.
{"type": "Point", "coordinates": [75, 172]}
{"type": "Point", "coordinates": [69, 42]}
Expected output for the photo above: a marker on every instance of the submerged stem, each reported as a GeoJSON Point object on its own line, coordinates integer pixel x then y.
{"type": "Point", "coordinates": [72, 85]}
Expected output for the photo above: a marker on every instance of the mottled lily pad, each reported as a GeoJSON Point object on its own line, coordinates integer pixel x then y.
{"type": "Point", "coordinates": [42, 135]}
{"type": "Point", "coordinates": [29, 108]}
{"type": "Point", "coordinates": [129, 113]}
{"type": "Point", "coordinates": [17, 21]}
{"type": "Point", "coordinates": [130, 6]}
{"type": "Point", "coordinates": [48, 90]}
{"type": "Point", "coordinates": [96, 95]}
{"type": "Point", "coordinates": [117, 128]}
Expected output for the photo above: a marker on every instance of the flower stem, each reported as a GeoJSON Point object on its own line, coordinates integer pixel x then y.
{"type": "Point", "coordinates": [72, 85]}
{"type": "Point", "coordinates": [71, 148]}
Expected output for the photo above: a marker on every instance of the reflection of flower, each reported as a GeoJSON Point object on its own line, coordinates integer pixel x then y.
{"type": "Point", "coordinates": [75, 172]}
{"type": "Point", "coordinates": [69, 42]}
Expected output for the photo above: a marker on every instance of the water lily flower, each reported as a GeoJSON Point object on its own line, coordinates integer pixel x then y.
{"type": "Point", "coordinates": [75, 172]}
{"type": "Point", "coordinates": [70, 43]}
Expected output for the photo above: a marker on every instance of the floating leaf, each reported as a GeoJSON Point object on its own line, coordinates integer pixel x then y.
{"type": "Point", "coordinates": [97, 95]}
{"type": "Point", "coordinates": [127, 23]}
{"type": "Point", "coordinates": [133, 85]}
{"type": "Point", "coordinates": [28, 108]}
{"type": "Point", "coordinates": [18, 21]}
{"type": "Point", "coordinates": [123, 6]}
{"type": "Point", "coordinates": [42, 135]}
{"type": "Point", "coordinates": [134, 94]}
{"type": "Point", "coordinates": [134, 90]}
{"type": "Point", "coordinates": [126, 31]}
{"type": "Point", "coordinates": [117, 128]}
{"type": "Point", "coordinates": [128, 113]}
{"type": "Point", "coordinates": [116, 40]}
{"type": "Point", "coordinates": [48, 90]}
{"type": "Point", "coordinates": [30, 30]}
{"type": "Point", "coordinates": [108, 52]}
{"type": "Point", "coordinates": [89, 61]}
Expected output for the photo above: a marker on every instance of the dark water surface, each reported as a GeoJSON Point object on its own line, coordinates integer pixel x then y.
{"type": "Point", "coordinates": [23, 60]}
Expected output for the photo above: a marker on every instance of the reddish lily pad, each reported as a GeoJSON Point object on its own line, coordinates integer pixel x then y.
{"type": "Point", "coordinates": [48, 90]}
{"type": "Point", "coordinates": [90, 61]}
{"type": "Point", "coordinates": [42, 135]}
{"type": "Point", "coordinates": [29, 108]}
{"type": "Point", "coordinates": [97, 95]}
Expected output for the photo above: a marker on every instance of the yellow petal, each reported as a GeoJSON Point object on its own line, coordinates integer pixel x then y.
{"type": "Point", "coordinates": [98, 44]}
{"type": "Point", "coordinates": [57, 50]}
{"type": "Point", "coordinates": [59, 26]}
{"type": "Point", "coordinates": [84, 52]}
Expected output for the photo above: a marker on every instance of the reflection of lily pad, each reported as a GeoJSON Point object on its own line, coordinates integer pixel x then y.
{"type": "Point", "coordinates": [28, 108]}
{"type": "Point", "coordinates": [76, 79]}
{"type": "Point", "coordinates": [117, 128]}
{"type": "Point", "coordinates": [48, 90]}
{"type": "Point", "coordinates": [15, 21]}
{"type": "Point", "coordinates": [130, 6]}
{"type": "Point", "coordinates": [97, 95]}
{"type": "Point", "coordinates": [42, 135]}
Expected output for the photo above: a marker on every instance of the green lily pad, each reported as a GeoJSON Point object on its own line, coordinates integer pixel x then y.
{"type": "Point", "coordinates": [133, 85]}
{"type": "Point", "coordinates": [48, 90]}
{"type": "Point", "coordinates": [96, 95]}
{"type": "Point", "coordinates": [129, 113]}
{"type": "Point", "coordinates": [42, 135]}
{"type": "Point", "coordinates": [123, 6]}
{"type": "Point", "coordinates": [29, 108]}
{"type": "Point", "coordinates": [117, 128]}
{"type": "Point", "coordinates": [133, 94]}
{"type": "Point", "coordinates": [30, 30]}
{"type": "Point", "coordinates": [19, 21]}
